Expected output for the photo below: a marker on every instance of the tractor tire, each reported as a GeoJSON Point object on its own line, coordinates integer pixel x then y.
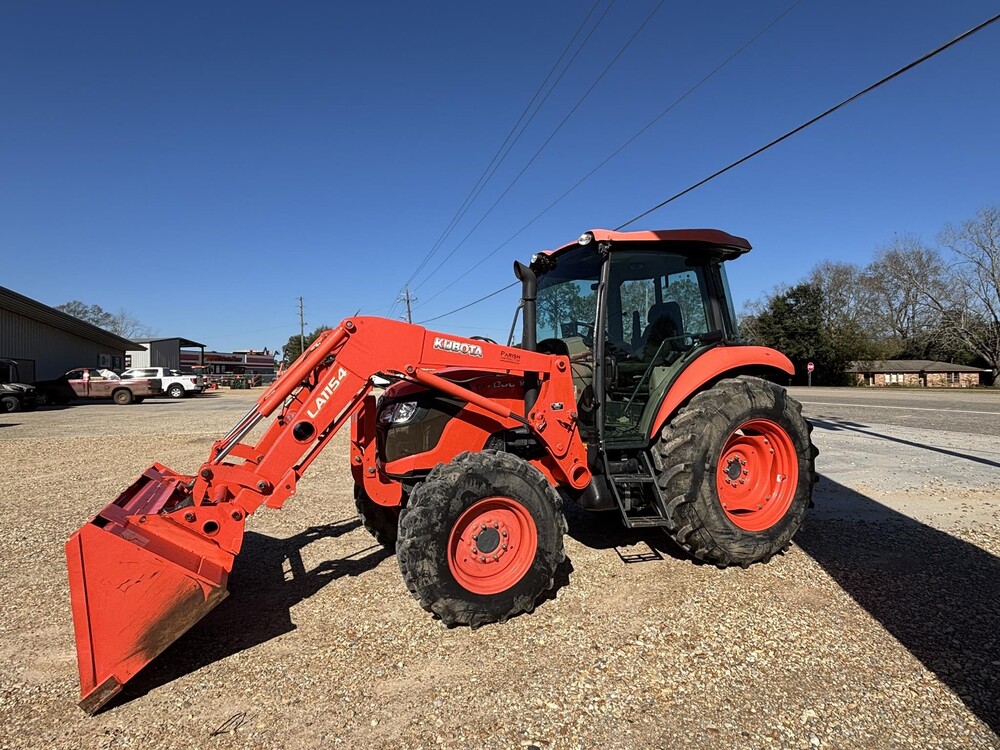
{"type": "Point", "coordinates": [10, 404]}
{"type": "Point", "coordinates": [381, 521]}
{"type": "Point", "coordinates": [122, 397]}
{"type": "Point", "coordinates": [491, 500]}
{"type": "Point", "coordinates": [736, 468]}
{"type": "Point", "coordinates": [176, 390]}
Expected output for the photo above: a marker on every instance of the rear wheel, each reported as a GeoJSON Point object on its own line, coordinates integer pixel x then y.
{"type": "Point", "coordinates": [122, 397]}
{"type": "Point", "coordinates": [481, 538]}
{"type": "Point", "coordinates": [381, 521]}
{"type": "Point", "coordinates": [10, 404]}
{"type": "Point", "coordinates": [736, 469]}
{"type": "Point", "coordinates": [176, 390]}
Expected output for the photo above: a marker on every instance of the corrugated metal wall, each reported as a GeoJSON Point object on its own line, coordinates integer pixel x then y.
{"type": "Point", "coordinates": [166, 353]}
{"type": "Point", "coordinates": [138, 359]}
{"type": "Point", "coordinates": [53, 350]}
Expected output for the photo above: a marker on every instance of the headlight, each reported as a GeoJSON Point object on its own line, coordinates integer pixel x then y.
{"type": "Point", "coordinates": [399, 413]}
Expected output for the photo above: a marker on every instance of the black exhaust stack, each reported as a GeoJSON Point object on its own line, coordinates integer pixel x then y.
{"type": "Point", "coordinates": [529, 336]}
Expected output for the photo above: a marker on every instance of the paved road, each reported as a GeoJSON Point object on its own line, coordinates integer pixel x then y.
{"type": "Point", "coordinates": [976, 412]}
{"type": "Point", "coordinates": [932, 456]}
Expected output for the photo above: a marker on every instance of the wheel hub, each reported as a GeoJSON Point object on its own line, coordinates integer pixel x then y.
{"type": "Point", "coordinates": [733, 468]}
{"type": "Point", "coordinates": [487, 540]}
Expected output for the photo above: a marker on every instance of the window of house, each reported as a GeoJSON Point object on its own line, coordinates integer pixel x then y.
{"type": "Point", "coordinates": [953, 378]}
{"type": "Point", "coordinates": [894, 378]}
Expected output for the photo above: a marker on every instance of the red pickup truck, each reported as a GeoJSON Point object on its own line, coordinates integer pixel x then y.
{"type": "Point", "coordinates": [95, 382]}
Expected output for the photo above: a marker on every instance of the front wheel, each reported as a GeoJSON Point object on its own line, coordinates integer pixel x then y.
{"type": "Point", "coordinates": [10, 404]}
{"type": "Point", "coordinates": [381, 521]}
{"type": "Point", "coordinates": [736, 469]}
{"type": "Point", "coordinates": [176, 390]}
{"type": "Point", "coordinates": [481, 538]}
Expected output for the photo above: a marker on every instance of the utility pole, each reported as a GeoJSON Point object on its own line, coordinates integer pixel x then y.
{"type": "Point", "coordinates": [302, 327]}
{"type": "Point", "coordinates": [405, 297]}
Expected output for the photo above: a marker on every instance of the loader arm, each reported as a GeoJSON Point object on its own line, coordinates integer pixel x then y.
{"type": "Point", "coordinates": [157, 559]}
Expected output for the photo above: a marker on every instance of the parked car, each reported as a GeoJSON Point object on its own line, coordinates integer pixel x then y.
{"type": "Point", "coordinates": [15, 396]}
{"type": "Point", "coordinates": [95, 382]}
{"type": "Point", "coordinates": [175, 384]}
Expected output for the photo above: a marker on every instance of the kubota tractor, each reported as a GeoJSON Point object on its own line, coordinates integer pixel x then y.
{"type": "Point", "coordinates": [629, 392]}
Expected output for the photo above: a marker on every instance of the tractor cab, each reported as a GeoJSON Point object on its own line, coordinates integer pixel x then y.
{"type": "Point", "coordinates": [632, 310]}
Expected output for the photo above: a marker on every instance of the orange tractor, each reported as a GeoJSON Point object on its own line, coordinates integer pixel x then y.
{"type": "Point", "coordinates": [629, 392]}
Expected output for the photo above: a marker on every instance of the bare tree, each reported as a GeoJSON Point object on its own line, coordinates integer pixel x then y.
{"type": "Point", "coordinates": [126, 325]}
{"type": "Point", "coordinates": [907, 288]}
{"type": "Point", "coordinates": [845, 296]}
{"type": "Point", "coordinates": [975, 246]}
{"type": "Point", "coordinates": [121, 323]}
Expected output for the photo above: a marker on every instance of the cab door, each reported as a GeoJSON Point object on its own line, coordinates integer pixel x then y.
{"type": "Point", "coordinates": [100, 386]}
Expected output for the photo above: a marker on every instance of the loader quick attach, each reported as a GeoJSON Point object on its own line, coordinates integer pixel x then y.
{"type": "Point", "coordinates": [629, 392]}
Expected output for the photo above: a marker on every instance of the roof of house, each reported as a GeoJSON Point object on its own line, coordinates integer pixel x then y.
{"type": "Point", "coordinates": [29, 308]}
{"type": "Point", "coordinates": [909, 365]}
{"type": "Point", "coordinates": [180, 339]}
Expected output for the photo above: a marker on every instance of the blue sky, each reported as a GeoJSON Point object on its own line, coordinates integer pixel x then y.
{"type": "Point", "coordinates": [204, 164]}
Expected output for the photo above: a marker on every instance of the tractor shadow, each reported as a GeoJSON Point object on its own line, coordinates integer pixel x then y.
{"type": "Point", "coordinates": [258, 608]}
{"type": "Point", "coordinates": [938, 595]}
{"type": "Point", "coordinates": [601, 530]}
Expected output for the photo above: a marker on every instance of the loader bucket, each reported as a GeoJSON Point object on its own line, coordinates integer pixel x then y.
{"type": "Point", "coordinates": [138, 581]}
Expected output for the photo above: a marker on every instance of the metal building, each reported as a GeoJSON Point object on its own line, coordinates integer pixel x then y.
{"type": "Point", "coordinates": [163, 352]}
{"type": "Point", "coordinates": [46, 342]}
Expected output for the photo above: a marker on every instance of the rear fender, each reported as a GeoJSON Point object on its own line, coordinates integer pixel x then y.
{"type": "Point", "coordinates": [713, 365]}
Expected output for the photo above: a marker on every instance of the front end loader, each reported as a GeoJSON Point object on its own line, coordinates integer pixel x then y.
{"type": "Point", "coordinates": [629, 392]}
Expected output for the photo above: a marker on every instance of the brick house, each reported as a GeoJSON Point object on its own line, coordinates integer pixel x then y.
{"type": "Point", "coordinates": [915, 373]}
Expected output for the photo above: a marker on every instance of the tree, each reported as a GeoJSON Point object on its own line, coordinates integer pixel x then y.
{"type": "Point", "coordinates": [121, 323]}
{"type": "Point", "coordinates": [792, 321]}
{"type": "Point", "coordinates": [293, 347]}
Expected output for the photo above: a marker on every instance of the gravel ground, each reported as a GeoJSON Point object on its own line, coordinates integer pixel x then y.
{"type": "Point", "coordinates": [875, 630]}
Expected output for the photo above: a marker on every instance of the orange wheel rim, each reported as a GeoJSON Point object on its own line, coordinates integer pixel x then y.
{"type": "Point", "coordinates": [757, 475]}
{"type": "Point", "coordinates": [492, 545]}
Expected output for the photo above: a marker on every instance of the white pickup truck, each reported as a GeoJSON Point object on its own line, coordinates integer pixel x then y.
{"type": "Point", "coordinates": [174, 384]}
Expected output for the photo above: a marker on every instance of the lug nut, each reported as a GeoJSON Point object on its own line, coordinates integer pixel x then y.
{"type": "Point", "coordinates": [743, 462]}
{"type": "Point", "coordinates": [189, 517]}
{"type": "Point", "coordinates": [475, 551]}
{"type": "Point", "coordinates": [475, 537]}
{"type": "Point", "coordinates": [496, 558]}
{"type": "Point", "coordinates": [745, 472]}
{"type": "Point", "coordinates": [482, 559]}
{"type": "Point", "coordinates": [503, 533]}
{"type": "Point", "coordinates": [496, 525]}
{"type": "Point", "coordinates": [482, 527]}
{"type": "Point", "coordinates": [504, 548]}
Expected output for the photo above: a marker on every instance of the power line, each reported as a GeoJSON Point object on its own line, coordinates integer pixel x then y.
{"type": "Point", "coordinates": [565, 119]}
{"type": "Point", "coordinates": [618, 150]}
{"type": "Point", "coordinates": [803, 126]}
{"type": "Point", "coordinates": [487, 174]}
{"type": "Point", "coordinates": [475, 302]}
{"type": "Point", "coordinates": [883, 81]}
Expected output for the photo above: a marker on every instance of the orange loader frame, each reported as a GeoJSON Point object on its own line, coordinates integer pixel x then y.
{"type": "Point", "coordinates": [156, 560]}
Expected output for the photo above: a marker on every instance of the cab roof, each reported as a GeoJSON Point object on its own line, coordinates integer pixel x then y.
{"type": "Point", "coordinates": [708, 237]}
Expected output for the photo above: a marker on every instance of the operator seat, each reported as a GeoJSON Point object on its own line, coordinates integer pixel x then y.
{"type": "Point", "coordinates": [664, 320]}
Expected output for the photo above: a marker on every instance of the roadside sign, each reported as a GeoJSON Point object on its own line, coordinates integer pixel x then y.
{"type": "Point", "coordinates": [810, 367]}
